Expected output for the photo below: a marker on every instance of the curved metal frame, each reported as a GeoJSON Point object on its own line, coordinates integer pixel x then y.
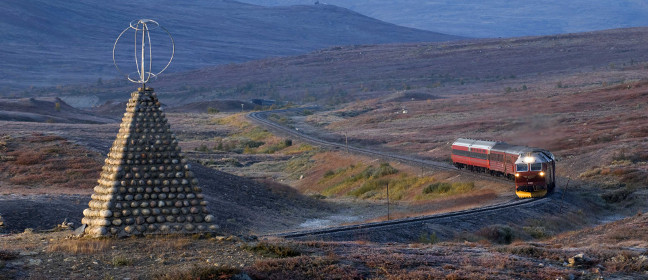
{"type": "Point", "coordinates": [144, 76]}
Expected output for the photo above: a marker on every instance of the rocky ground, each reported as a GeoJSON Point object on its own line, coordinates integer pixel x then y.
{"type": "Point", "coordinates": [616, 250]}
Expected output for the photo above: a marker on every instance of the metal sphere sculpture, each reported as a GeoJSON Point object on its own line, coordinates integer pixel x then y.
{"type": "Point", "coordinates": [142, 50]}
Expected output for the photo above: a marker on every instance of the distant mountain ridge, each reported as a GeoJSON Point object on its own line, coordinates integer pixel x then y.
{"type": "Point", "coordinates": [62, 42]}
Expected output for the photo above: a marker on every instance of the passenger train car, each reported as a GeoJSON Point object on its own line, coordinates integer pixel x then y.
{"type": "Point", "coordinates": [532, 169]}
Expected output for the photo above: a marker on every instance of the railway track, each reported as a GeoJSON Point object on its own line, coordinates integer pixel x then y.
{"type": "Point", "coordinates": [404, 221]}
{"type": "Point", "coordinates": [261, 118]}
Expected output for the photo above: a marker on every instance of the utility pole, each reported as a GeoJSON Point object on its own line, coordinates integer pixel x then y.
{"type": "Point", "coordinates": [346, 141]}
{"type": "Point", "coordinates": [388, 218]}
{"type": "Point", "coordinates": [562, 199]}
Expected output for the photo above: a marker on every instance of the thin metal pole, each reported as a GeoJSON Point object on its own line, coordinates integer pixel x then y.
{"type": "Point", "coordinates": [143, 47]}
{"type": "Point", "coordinates": [346, 142]}
{"type": "Point", "coordinates": [388, 218]}
{"type": "Point", "coordinates": [562, 199]}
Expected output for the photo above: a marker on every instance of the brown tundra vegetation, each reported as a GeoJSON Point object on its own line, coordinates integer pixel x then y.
{"type": "Point", "coordinates": [582, 96]}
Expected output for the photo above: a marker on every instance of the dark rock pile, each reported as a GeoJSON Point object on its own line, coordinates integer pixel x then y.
{"type": "Point", "coordinates": [146, 186]}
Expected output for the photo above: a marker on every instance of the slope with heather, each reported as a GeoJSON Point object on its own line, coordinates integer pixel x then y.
{"type": "Point", "coordinates": [343, 74]}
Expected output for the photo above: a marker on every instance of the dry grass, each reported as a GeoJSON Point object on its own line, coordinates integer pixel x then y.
{"type": "Point", "coordinates": [303, 268]}
{"type": "Point", "coordinates": [81, 246]}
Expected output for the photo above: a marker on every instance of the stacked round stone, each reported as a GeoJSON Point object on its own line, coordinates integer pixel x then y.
{"type": "Point", "coordinates": [146, 186]}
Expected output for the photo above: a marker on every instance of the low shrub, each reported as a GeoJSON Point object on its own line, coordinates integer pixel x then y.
{"type": "Point", "coordinates": [6, 255]}
{"type": "Point", "coordinates": [538, 232]}
{"type": "Point", "coordinates": [121, 261]}
{"type": "Point", "coordinates": [439, 187]}
{"type": "Point", "coordinates": [627, 261]}
{"type": "Point", "coordinates": [329, 173]}
{"type": "Point", "coordinates": [303, 267]}
{"type": "Point", "coordinates": [533, 252]}
{"type": "Point", "coordinates": [384, 169]}
{"type": "Point", "coordinates": [428, 238]}
{"type": "Point", "coordinates": [618, 195]}
{"type": "Point", "coordinates": [501, 234]}
{"type": "Point", "coordinates": [200, 272]}
{"type": "Point", "coordinates": [29, 158]}
{"type": "Point", "coordinates": [272, 250]}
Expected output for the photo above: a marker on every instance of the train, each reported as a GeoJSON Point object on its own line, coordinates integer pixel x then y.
{"type": "Point", "coordinates": [532, 169]}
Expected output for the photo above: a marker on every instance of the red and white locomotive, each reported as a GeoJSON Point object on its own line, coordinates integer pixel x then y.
{"type": "Point", "coordinates": [533, 169]}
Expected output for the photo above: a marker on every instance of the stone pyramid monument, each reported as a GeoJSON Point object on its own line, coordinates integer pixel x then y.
{"type": "Point", "coordinates": [146, 186]}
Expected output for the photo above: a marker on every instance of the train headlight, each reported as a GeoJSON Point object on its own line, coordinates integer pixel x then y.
{"type": "Point", "coordinates": [529, 159]}
{"type": "Point", "coordinates": [517, 174]}
{"type": "Point", "coordinates": [541, 173]}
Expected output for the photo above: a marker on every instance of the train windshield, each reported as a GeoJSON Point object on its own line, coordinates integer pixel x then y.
{"type": "Point", "coordinates": [521, 167]}
{"type": "Point", "coordinates": [536, 167]}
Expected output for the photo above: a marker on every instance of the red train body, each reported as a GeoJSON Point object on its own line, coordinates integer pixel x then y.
{"type": "Point", "coordinates": [532, 169]}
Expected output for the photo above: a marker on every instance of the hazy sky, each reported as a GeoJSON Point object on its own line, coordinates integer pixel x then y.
{"type": "Point", "coordinates": [496, 18]}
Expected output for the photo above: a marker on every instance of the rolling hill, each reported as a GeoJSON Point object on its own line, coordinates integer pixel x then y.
{"type": "Point", "coordinates": [342, 74]}
{"type": "Point", "coordinates": [49, 43]}
{"type": "Point", "coordinates": [496, 18]}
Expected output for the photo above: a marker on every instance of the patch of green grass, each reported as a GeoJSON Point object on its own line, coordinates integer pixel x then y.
{"type": "Point", "coordinates": [301, 148]}
{"type": "Point", "coordinates": [329, 174]}
{"type": "Point", "coordinates": [256, 134]}
{"type": "Point", "coordinates": [271, 149]}
{"type": "Point", "coordinates": [400, 185]}
{"type": "Point", "coordinates": [299, 164]}
{"type": "Point", "coordinates": [348, 181]}
{"type": "Point", "coordinates": [447, 188]}
{"type": "Point", "coordinates": [384, 169]}
{"type": "Point", "coordinates": [281, 119]}
{"type": "Point", "coordinates": [372, 181]}
{"type": "Point", "coordinates": [369, 185]}
{"type": "Point", "coordinates": [235, 120]}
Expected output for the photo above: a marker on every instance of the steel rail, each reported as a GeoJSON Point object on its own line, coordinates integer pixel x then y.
{"type": "Point", "coordinates": [382, 224]}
